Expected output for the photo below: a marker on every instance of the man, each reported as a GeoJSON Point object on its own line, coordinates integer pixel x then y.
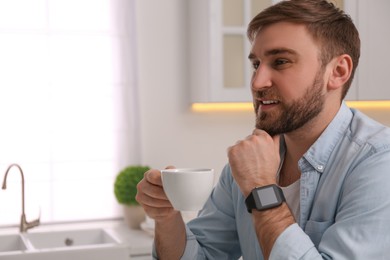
{"type": "Point", "coordinates": [332, 163]}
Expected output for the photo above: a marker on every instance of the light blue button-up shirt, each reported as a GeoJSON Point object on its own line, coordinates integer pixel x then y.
{"type": "Point", "coordinates": [344, 202]}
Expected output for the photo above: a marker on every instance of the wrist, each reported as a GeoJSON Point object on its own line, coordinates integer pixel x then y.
{"type": "Point", "coordinates": [269, 224]}
{"type": "Point", "coordinates": [278, 218]}
{"type": "Point", "coordinates": [172, 217]}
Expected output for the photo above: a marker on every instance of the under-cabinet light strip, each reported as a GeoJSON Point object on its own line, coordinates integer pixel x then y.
{"type": "Point", "coordinates": [246, 106]}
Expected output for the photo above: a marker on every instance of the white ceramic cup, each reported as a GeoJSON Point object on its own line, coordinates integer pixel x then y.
{"type": "Point", "coordinates": [188, 189]}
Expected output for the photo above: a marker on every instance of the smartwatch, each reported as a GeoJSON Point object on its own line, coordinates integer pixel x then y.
{"type": "Point", "coordinates": [266, 197]}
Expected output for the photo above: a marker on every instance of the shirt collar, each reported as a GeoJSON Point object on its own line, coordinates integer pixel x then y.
{"type": "Point", "coordinates": [318, 154]}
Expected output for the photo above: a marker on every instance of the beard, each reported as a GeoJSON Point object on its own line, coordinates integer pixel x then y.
{"type": "Point", "coordinates": [291, 116]}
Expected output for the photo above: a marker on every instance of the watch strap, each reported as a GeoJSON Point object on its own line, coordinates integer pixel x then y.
{"type": "Point", "coordinates": [250, 203]}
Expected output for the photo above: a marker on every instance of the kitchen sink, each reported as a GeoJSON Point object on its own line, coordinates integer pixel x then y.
{"type": "Point", "coordinates": [97, 244]}
{"type": "Point", "coordinates": [73, 238]}
{"type": "Point", "coordinates": [14, 242]}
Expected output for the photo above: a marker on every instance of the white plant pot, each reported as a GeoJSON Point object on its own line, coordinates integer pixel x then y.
{"type": "Point", "coordinates": [134, 216]}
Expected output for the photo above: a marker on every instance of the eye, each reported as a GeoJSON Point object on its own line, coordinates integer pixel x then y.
{"type": "Point", "coordinates": [255, 65]}
{"type": "Point", "coordinates": [280, 62]}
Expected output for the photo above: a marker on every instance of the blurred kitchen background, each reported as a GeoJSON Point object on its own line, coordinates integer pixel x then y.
{"type": "Point", "coordinates": [88, 87]}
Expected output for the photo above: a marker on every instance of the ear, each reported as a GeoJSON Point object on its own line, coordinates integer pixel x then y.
{"type": "Point", "coordinates": [341, 69]}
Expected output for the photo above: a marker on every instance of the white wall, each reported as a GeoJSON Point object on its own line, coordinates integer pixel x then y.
{"type": "Point", "coordinates": [171, 133]}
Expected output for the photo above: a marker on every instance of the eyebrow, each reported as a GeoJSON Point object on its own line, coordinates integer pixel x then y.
{"type": "Point", "coordinates": [272, 52]}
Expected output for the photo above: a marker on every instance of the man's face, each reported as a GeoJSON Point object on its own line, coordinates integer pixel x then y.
{"type": "Point", "coordinates": [287, 82]}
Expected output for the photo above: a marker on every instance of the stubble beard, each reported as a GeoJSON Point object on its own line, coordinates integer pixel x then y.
{"type": "Point", "coordinates": [290, 117]}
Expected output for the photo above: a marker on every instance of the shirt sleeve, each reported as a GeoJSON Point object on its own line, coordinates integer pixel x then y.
{"type": "Point", "coordinates": [192, 250]}
{"type": "Point", "coordinates": [213, 234]}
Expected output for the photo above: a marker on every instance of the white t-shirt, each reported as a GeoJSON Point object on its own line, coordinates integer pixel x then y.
{"type": "Point", "coordinates": [291, 193]}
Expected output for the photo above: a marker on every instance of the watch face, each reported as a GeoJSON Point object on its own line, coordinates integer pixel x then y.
{"type": "Point", "coordinates": [267, 196]}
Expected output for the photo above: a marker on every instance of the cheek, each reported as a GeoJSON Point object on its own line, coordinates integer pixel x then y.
{"type": "Point", "coordinates": [294, 86]}
{"type": "Point", "coordinates": [288, 89]}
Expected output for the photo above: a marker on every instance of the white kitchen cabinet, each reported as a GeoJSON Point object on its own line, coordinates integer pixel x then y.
{"type": "Point", "coordinates": [372, 20]}
{"type": "Point", "coordinates": [219, 67]}
{"type": "Point", "coordinates": [221, 72]}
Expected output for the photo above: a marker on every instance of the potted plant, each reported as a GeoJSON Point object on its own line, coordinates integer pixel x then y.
{"type": "Point", "coordinates": [125, 189]}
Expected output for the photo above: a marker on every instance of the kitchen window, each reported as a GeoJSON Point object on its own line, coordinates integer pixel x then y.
{"type": "Point", "coordinates": [68, 106]}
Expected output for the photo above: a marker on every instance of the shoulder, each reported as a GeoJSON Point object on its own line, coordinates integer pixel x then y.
{"type": "Point", "coordinates": [365, 131]}
{"type": "Point", "coordinates": [370, 168]}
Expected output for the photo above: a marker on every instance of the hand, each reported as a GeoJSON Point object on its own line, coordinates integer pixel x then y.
{"type": "Point", "coordinates": [255, 161]}
{"type": "Point", "coordinates": [151, 196]}
{"type": "Point", "coordinates": [169, 231]}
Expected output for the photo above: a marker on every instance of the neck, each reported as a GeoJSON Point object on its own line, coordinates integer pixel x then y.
{"type": "Point", "coordinates": [296, 146]}
{"type": "Point", "coordinates": [298, 142]}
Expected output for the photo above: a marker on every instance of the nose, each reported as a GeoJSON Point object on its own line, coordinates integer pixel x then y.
{"type": "Point", "coordinates": [261, 78]}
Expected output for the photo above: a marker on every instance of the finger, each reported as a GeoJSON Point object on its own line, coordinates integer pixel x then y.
{"type": "Point", "coordinates": [259, 132]}
{"type": "Point", "coordinates": [153, 176]}
{"type": "Point", "coordinates": [154, 202]}
{"type": "Point", "coordinates": [229, 151]}
{"type": "Point", "coordinates": [152, 195]}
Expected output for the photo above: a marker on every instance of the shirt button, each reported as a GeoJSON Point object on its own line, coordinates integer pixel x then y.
{"type": "Point", "coordinates": [320, 167]}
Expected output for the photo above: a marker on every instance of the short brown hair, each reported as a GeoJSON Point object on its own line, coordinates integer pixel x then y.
{"type": "Point", "coordinates": [327, 24]}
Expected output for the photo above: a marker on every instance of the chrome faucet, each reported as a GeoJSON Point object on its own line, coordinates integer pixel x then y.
{"type": "Point", "coordinates": [24, 225]}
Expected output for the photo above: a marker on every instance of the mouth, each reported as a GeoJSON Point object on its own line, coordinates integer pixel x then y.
{"type": "Point", "coordinates": [269, 102]}
{"type": "Point", "coordinates": [266, 104]}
